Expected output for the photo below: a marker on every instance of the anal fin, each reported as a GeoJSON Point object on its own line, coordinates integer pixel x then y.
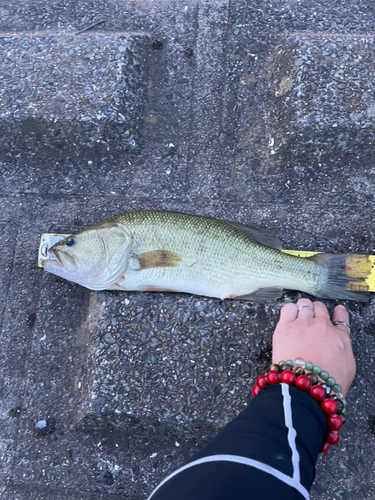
{"type": "Point", "coordinates": [262, 295]}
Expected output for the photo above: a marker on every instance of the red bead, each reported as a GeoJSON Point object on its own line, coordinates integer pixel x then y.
{"type": "Point", "coordinates": [329, 407]}
{"type": "Point", "coordinates": [255, 390]}
{"type": "Point", "coordinates": [273, 377]}
{"type": "Point", "coordinates": [318, 393]}
{"type": "Point", "coordinates": [334, 422]}
{"type": "Point", "coordinates": [325, 448]}
{"type": "Point", "coordinates": [262, 382]}
{"type": "Point", "coordinates": [333, 437]}
{"type": "Point", "coordinates": [288, 377]}
{"type": "Point", "coordinates": [303, 383]}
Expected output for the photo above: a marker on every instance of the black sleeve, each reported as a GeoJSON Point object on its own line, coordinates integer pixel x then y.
{"type": "Point", "coordinates": [270, 448]}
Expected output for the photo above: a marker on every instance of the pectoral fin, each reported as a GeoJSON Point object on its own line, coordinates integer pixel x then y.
{"type": "Point", "coordinates": [157, 258]}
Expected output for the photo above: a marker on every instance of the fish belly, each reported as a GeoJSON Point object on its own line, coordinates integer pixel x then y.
{"type": "Point", "coordinates": [175, 280]}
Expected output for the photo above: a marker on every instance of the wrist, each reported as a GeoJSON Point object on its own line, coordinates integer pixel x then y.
{"type": "Point", "coordinates": [315, 382]}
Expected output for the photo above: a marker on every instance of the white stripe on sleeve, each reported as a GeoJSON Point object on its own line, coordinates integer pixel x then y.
{"type": "Point", "coordinates": [244, 461]}
{"type": "Point", "coordinates": [292, 434]}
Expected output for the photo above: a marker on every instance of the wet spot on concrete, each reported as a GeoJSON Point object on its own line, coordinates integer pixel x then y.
{"type": "Point", "coordinates": [172, 150]}
{"type": "Point", "coordinates": [15, 412]}
{"type": "Point", "coordinates": [108, 478]}
{"type": "Point", "coordinates": [69, 455]}
{"type": "Point", "coordinates": [189, 52]}
{"type": "Point", "coordinates": [265, 355]}
{"type": "Point", "coordinates": [157, 45]}
{"type": "Point", "coordinates": [371, 424]}
{"type": "Point", "coordinates": [30, 321]}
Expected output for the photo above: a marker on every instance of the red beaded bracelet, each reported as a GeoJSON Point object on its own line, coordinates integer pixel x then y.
{"type": "Point", "coordinates": [305, 379]}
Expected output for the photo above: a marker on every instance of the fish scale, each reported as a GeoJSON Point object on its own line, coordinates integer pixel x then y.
{"type": "Point", "coordinates": [193, 238]}
{"type": "Point", "coordinates": [229, 263]}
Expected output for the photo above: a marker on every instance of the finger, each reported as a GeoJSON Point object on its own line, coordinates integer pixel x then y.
{"type": "Point", "coordinates": [320, 310]}
{"type": "Point", "coordinates": [288, 313]}
{"type": "Point", "coordinates": [305, 308]}
{"type": "Point", "coordinates": [341, 314]}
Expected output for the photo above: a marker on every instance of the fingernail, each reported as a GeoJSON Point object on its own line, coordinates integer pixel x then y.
{"type": "Point", "coordinates": [342, 307]}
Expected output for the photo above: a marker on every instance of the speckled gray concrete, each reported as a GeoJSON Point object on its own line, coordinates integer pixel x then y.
{"type": "Point", "coordinates": [243, 110]}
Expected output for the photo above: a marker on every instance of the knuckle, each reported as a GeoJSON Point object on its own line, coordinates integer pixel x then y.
{"type": "Point", "coordinates": [323, 324]}
{"type": "Point", "coordinates": [343, 342]}
{"type": "Point", "coordinates": [346, 340]}
{"type": "Point", "coordinates": [319, 304]}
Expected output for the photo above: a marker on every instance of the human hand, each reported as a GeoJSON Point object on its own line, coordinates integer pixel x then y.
{"type": "Point", "coordinates": [308, 333]}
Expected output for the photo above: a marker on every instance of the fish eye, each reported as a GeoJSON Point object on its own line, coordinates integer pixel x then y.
{"type": "Point", "coordinates": [71, 241]}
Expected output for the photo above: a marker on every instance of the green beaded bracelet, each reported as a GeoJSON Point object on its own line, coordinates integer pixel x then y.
{"type": "Point", "coordinates": [329, 381]}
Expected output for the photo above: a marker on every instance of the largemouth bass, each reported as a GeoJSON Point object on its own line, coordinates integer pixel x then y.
{"type": "Point", "coordinates": [175, 252]}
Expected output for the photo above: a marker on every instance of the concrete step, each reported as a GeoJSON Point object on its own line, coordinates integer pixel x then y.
{"type": "Point", "coordinates": [69, 92]}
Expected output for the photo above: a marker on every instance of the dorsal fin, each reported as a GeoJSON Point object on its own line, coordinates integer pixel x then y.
{"type": "Point", "coordinates": [261, 235]}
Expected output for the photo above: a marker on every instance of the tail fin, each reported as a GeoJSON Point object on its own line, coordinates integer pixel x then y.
{"type": "Point", "coordinates": [344, 277]}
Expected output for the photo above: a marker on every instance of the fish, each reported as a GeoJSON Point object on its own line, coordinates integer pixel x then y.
{"type": "Point", "coordinates": [150, 250]}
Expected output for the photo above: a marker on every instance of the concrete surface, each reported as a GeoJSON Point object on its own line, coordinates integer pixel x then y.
{"type": "Point", "coordinates": [253, 111]}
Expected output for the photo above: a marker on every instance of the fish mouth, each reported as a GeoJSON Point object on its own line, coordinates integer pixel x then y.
{"type": "Point", "coordinates": [54, 260]}
{"type": "Point", "coordinates": [57, 260]}
{"type": "Point", "coordinates": [57, 255]}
